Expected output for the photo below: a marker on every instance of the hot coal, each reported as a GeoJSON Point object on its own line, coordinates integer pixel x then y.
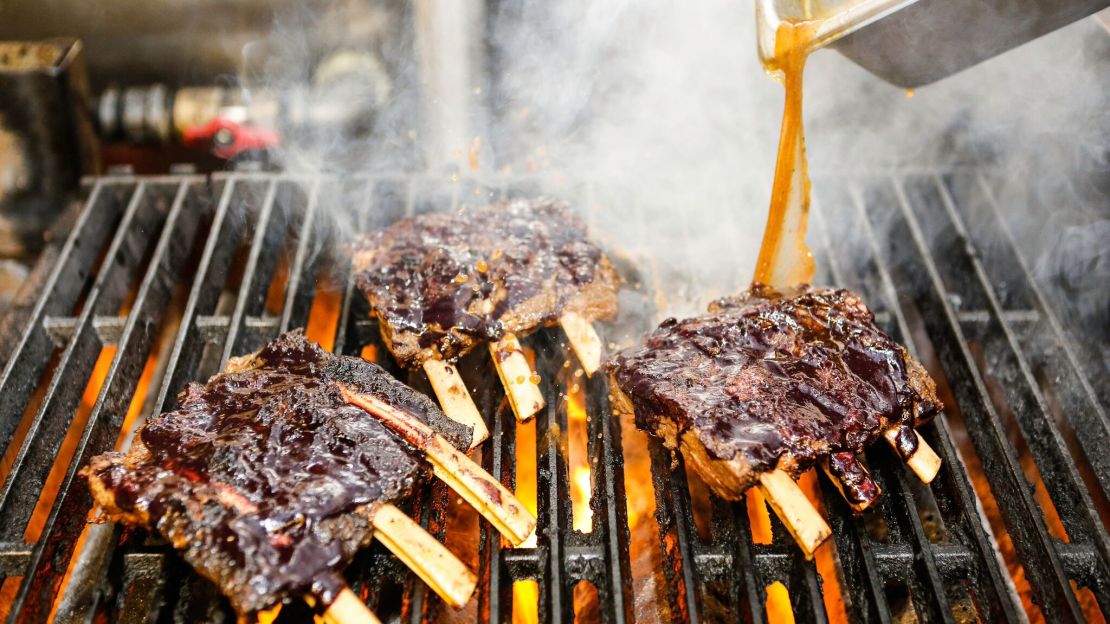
{"type": "Point", "coordinates": [264, 478]}
{"type": "Point", "coordinates": [441, 284]}
{"type": "Point", "coordinates": [771, 380]}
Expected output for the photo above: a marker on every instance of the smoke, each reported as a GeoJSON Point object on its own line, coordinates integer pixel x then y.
{"type": "Point", "coordinates": [670, 108]}
{"type": "Point", "coordinates": [665, 108]}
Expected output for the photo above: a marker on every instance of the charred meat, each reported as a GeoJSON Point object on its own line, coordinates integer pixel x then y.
{"type": "Point", "coordinates": [264, 478]}
{"type": "Point", "coordinates": [770, 380]}
{"type": "Point", "coordinates": [447, 282]}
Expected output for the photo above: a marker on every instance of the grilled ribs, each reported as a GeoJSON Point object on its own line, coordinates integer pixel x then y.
{"type": "Point", "coordinates": [770, 380]}
{"type": "Point", "coordinates": [443, 283]}
{"type": "Point", "coordinates": [265, 478]}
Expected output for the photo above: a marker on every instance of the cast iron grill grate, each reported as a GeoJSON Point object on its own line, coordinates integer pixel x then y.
{"type": "Point", "coordinates": [908, 245]}
{"type": "Point", "coordinates": [174, 274]}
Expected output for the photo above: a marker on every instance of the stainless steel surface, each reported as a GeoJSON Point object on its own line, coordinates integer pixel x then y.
{"type": "Point", "coordinates": [911, 43]}
{"type": "Point", "coordinates": [837, 18]}
{"type": "Point", "coordinates": [931, 39]}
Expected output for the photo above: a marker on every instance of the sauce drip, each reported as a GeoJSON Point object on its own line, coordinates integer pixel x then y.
{"type": "Point", "coordinates": [784, 259]}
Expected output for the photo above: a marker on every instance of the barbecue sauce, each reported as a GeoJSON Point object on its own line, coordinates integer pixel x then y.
{"type": "Point", "coordinates": [442, 283]}
{"type": "Point", "coordinates": [784, 259]}
{"type": "Point", "coordinates": [261, 477]}
{"type": "Point", "coordinates": [769, 379]}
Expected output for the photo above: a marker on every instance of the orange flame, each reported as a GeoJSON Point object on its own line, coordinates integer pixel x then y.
{"type": "Point", "coordinates": [526, 598]}
{"type": "Point", "coordinates": [578, 462]}
{"type": "Point", "coordinates": [88, 401]}
{"type": "Point", "coordinates": [778, 597]}
{"type": "Point", "coordinates": [526, 471]}
{"type": "Point", "coordinates": [323, 316]}
{"type": "Point", "coordinates": [526, 594]}
{"type": "Point", "coordinates": [69, 444]}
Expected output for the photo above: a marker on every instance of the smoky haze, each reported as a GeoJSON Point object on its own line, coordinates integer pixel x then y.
{"type": "Point", "coordinates": [666, 107]}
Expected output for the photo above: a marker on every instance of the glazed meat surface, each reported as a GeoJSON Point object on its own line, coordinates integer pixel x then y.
{"type": "Point", "coordinates": [767, 380]}
{"type": "Point", "coordinates": [446, 282]}
{"type": "Point", "coordinates": [264, 478]}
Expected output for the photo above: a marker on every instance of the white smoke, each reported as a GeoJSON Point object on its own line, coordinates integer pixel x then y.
{"type": "Point", "coordinates": [667, 106]}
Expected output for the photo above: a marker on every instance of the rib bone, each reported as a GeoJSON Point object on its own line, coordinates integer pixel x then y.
{"type": "Point", "coordinates": [486, 494]}
{"type": "Point", "coordinates": [346, 609]}
{"type": "Point", "coordinates": [789, 502]}
{"type": "Point", "coordinates": [423, 554]}
{"type": "Point", "coordinates": [584, 340]}
{"type": "Point", "coordinates": [517, 376]}
{"type": "Point", "coordinates": [455, 399]}
{"type": "Point", "coordinates": [924, 462]}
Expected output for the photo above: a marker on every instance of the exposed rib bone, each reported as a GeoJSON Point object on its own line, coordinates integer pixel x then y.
{"type": "Point", "coordinates": [454, 398]}
{"type": "Point", "coordinates": [469, 480]}
{"type": "Point", "coordinates": [517, 377]}
{"type": "Point", "coordinates": [584, 340]}
{"type": "Point", "coordinates": [799, 516]}
{"type": "Point", "coordinates": [346, 609]}
{"type": "Point", "coordinates": [423, 554]}
{"type": "Point", "coordinates": [925, 463]}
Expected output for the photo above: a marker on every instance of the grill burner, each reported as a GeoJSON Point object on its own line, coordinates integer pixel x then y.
{"type": "Point", "coordinates": [217, 246]}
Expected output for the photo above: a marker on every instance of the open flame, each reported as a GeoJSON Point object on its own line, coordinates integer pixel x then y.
{"type": "Point", "coordinates": [644, 546]}
{"type": "Point", "coordinates": [323, 316]}
{"type": "Point", "coordinates": [578, 463]}
{"type": "Point", "coordinates": [526, 594]}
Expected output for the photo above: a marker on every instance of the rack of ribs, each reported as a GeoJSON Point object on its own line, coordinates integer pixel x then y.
{"type": "Point", "coordinates": [769, 383]}
{"type": "Point", "coordinates": [268, 478]}
{"type": "Point", "coordinates": [442, 284]}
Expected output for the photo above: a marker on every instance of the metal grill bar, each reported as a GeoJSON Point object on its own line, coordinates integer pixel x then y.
{"type": "Point", "coordinates": [43, 565]}
{"type": "Point", "coordinates": [59, 536]}
{"type": "Point", "coordinates": [553, 490]}
{"type": "Point", "coordinates": [61, 292]}
{"type": "Point", "coordinates": [952, 491]}
{"type": "Point", "coordinates": [35, 457]}
{"type": "Point", "coordinates": [252, 289]}
{"type": "Point", "coordinates": [1040, 335]}
{"type": "Point", "coordinates": [207, 286]}
{"type": "Point", "coordinates": [1036, 421]}
{"type": "Point", "coordinates": [1076, 508]}
{"type": "Point", "coordinates": [611, 574]}
{"type": "Point", "coordinates": [301, 286]}
{"type": "Point", "coordinates": [890, 246]}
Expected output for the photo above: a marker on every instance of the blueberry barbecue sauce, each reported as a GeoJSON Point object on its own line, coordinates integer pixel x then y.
{"type": "Point", "coordinates": [265, 478]}
{"type": "Point", "coordinates": [442, 283]}
{"type": "Point", "coordinates": [767, 375]}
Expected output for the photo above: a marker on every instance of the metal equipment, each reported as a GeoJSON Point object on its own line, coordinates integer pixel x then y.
{"type": "Point", "coordinates": [911, 43]}
{"type": "Point", "coordinates": [163, 273]}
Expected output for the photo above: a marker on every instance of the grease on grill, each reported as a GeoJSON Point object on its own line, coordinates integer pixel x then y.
{"type": "Point", "coordinates": [770, 380]}
{"type": "Point", "coordinates": [447, 282]}
{"type": "Point", "coordinates": [263, 477]}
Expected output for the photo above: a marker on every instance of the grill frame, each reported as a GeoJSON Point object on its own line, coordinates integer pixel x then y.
{"type": "Point", "coordinates": [205, 219]}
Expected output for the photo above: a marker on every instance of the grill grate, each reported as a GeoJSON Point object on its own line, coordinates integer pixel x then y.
{"type": "Point", "coordinates": [903, 244]}
{"type": "Point", "coordinates": [256, 227]}
{"type": "Point", "coordinates": [185, 271]}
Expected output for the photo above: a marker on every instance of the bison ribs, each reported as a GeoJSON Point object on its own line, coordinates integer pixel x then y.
{"type": "Point", "coordinates": [769, 380]}
{"type": "Point", "coordinates": [265, 478]}
{"type": "Point", "coordinates": [446, 282]}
